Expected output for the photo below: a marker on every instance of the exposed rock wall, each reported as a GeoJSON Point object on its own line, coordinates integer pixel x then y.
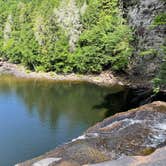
{"type": "Point", "coordinates": [148, 54]}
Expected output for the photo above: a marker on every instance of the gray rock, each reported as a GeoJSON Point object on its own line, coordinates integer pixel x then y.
{"type": "Point", "coordinates": [140, 15]}
{"type": "Point", "coordinates": [158, 158]}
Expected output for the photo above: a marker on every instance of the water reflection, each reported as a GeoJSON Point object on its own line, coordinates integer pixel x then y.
{"type": "Point", "coordinates": [50, 99]}
{"type": "Point", "coordinates": [114, 103]}
{"type": "Point", "coordinates": [127, 99]}
{"type": "Point", "coordinates": [38, 115]}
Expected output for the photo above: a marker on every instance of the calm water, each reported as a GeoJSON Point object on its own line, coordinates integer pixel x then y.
{"type": "Point", "coordinates": [37, 116]}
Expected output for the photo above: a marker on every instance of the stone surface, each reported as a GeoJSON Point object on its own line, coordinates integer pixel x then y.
{"type": "Point", "coordinates": [134, 133]}
{"type": "Point", "coordinates": [158, 158]}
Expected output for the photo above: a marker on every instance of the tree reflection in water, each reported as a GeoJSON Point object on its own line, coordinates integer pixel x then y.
{"type": "Point", "coordinates": [51, 100]}
{"type": "Point", "coordinates": [127, 99]}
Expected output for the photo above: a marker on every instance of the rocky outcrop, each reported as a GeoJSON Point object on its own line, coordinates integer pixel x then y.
{"type": "Point", "coordinates": [138, 132]}
{"type": "Point", "coordinates": [148, 54]}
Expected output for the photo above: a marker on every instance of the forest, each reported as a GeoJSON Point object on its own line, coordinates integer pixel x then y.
{"type": "Point", "coordinates": [36, 34]}
{"type": "Point", "coordinates": [82, 36]}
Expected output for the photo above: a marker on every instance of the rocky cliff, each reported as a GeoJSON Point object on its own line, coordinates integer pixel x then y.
{"type": "Point", "coordinates": [149, 39]}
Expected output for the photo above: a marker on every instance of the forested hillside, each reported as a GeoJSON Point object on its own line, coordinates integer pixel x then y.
{"type": "Point", "coordinates": [85, 36]}
{"type": "Point", "coordinates": [64, 36]}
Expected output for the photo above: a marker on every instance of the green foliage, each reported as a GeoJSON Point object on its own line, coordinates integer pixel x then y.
{"type": "Point", "coordinates": [160, 80]}
{"type": "Point", "coordinates": [160, 19]}
{"type": "Point", "coordinates": [106, 40]}
{"type": "Point", "coordinates": [149, 52]}
{"type": "Point", "coordinates": [39, 42]}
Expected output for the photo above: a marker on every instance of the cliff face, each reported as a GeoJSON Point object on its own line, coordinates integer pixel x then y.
{"type": "Point", "coordinates": [149, 40]}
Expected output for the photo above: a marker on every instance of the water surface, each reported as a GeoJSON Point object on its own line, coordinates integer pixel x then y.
{"type": "Point", "coordinates": [38, 115]}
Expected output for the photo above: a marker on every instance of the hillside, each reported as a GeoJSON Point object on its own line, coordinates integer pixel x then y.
{"type": "Point", "coordinates": [86, 36]}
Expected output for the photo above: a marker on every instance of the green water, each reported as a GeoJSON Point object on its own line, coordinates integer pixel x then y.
{"type": "Point", "coordinates": [38, 115]}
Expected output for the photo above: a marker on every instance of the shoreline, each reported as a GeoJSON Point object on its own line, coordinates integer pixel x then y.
{"type": "Point", "coordinates": [104, 79]}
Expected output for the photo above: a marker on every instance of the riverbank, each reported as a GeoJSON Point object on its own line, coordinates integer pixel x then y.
{"type": "Point", "coordinates": [104, 79]}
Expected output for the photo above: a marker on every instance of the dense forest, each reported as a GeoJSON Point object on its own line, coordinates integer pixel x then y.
{"type": "Point", "coordinates": [81, 36]}
{"type": "Point", "coordinates": [53, 35]}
